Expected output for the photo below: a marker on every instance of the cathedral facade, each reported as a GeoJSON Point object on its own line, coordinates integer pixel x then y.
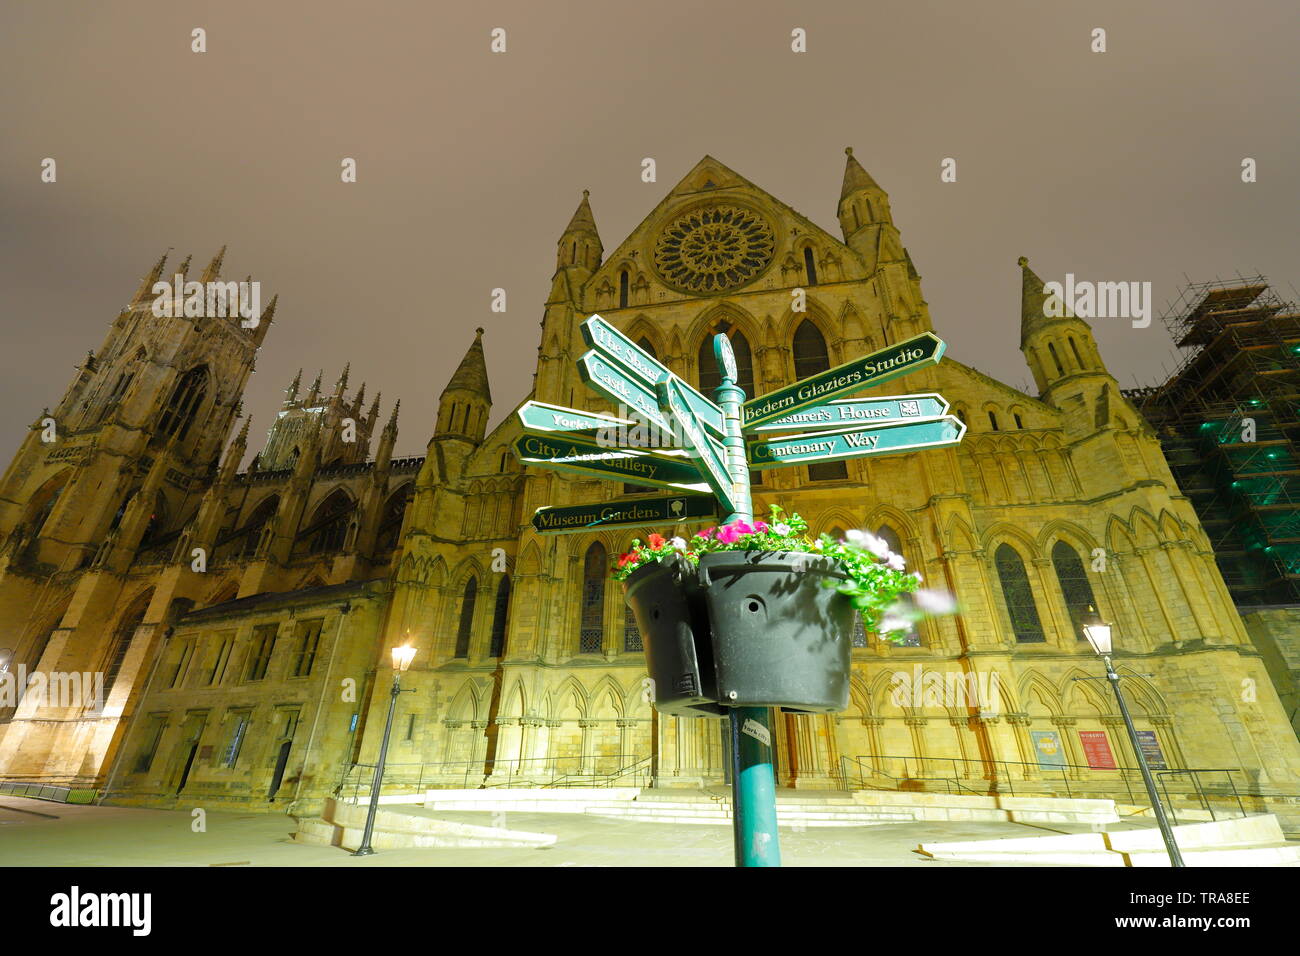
{"type": "Point", "coordinates": [262, 677]}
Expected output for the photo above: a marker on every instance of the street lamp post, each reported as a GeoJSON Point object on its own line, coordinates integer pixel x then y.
{"type": "Point", "coordinates": [1099, 636]}
{"type": "Point", "coordinates": [402, 657]}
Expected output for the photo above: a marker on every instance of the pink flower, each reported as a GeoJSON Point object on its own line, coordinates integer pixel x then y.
{"type": "Point", "coordinates": [743, 527]}
{"type": "Point", "coordinates": [760, 527]}
{"type": "Point", "coordinates": [728, 534]}
{"type": "Point", "coordinates": [706, 533]}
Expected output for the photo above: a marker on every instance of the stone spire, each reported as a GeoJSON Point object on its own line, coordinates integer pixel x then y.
{"type": "Point", "coordinates": [214, 267]}
{"type": "Point", "coordinates": [579, 245]}
{"type": "Point", "coordinates": [1033, 303]}
{"type": "Point", "coordinates": [155, 275]}
{"type": "Point", "coordinates": [471, 375]}
{"type": "Point", "coordinates": [291, 393]}
{"type": "Point", "coordinates": [855, 177]}
{"type": "Point", "coordinates": [314, 394]}
{"type": "Point", "coordinates": [341, 385]}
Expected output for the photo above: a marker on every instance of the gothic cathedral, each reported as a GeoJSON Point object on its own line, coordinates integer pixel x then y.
{"type": "Point", "coordinates": [259, 675]}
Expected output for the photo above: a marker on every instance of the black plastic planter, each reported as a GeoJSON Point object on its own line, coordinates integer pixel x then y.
{"type": "Point", "coordinates": [780, 637]}
{"type": "Point", "coordinates": [668, 604]}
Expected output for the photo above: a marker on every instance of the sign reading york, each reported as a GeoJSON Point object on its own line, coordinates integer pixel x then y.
{"type": "Point", "coordinates": [889, 363]}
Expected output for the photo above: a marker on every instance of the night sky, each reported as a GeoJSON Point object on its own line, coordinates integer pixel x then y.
{"type": "Point", "coordinates": [1118, 166]}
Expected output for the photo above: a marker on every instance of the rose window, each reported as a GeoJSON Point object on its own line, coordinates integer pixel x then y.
{"type": "Point", "coordinates": [715, 249]}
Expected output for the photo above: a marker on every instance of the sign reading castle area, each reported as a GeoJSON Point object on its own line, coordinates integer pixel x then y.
{"type": "Point", "coordinates": [827, 429]}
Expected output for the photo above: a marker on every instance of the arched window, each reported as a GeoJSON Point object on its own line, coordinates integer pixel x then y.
{"type": "Point", "coordinates": [809, 349]}
{"type": "Point", "coordinates": [811, 357]}
{"type": "Point", "coordinates": [809, 266]}
{"type": "Point", "coordinates": [631, 633]}
{"type": "Point", "coordinates": [1018, 595]}
{"type": "Point", "coordinates": [466, 617]}
{"type": "Point", "coordinates": [622, 289]}
{"type": "Point", "coordinates": [328, 529]}
{"type": "Point", "coordinates": [993, 420]}
{"type": "Point", "coordinates": [911, 638]}
{"type": "Point", "coordinates": [121, 641]}
{"type": "Point", "coordinates": [499, 618]}
{"type": "Point", "coordinates": [252, 530]}
{"type": "Point", "coordinates": [1056, 359]}
{"type": "Point", "coordinates": [1074, 585]}
{"type": "Point", "coordinates": [591, 635]}
{"type": "Point", "coordinates": [1016, 416]}
{"type": "Point", "coordinates": [184, 403]}
{"type": "Point", "coordinates": [644, 345]}
{"type": "Point", "coordinates": [505, 460]}
{"type": "Point", "coordinates": [710, 378]}
{"type": "Point", "coordinates": [1075, 349]}
{"type": "Point", "coordinates": [390, 524]}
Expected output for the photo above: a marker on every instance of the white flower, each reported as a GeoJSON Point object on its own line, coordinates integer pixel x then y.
{"type": "Point", "coordinates": [817, 545]}
{"type": "Point", "coordinates": [917, 575]}
{"type": "Point", "coordinates": [856, 538]}
{"type": "Point", "coordinates": [935, 602]}
{"type": "Point", "coordinates": [679, 544]}
{"type": "Point", "coordinates": [895, 561]}
{"type": "Point", "coordinates": [888, 624]}
{"type": "Point", "coordinates": [782, 529]}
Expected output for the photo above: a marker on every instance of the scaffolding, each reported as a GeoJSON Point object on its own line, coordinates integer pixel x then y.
{"type": "Point", "coordinates": [1228, 419]}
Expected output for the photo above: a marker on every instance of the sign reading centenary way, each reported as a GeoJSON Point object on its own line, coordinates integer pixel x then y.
{"type": "Point", "coordinates": [857, 443]}
{"type": "Point", "coordinates": [888, 363]}
{"type": "Point", "coordinates": [847, 412]}
{"type": "Point", "coordinates": [682, 509]}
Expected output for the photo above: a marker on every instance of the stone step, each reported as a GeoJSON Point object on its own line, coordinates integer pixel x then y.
{"type": "Point", "coordinates": [1247, 841]}
{"type": "Point", "coordinates": [342, 825]}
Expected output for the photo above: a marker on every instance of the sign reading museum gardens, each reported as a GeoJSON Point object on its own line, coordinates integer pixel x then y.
{"type": "Point", "coordinates": [688, 451]}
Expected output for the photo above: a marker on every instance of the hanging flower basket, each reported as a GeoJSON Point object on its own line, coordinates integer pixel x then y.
{"type": "Point", "coordinates": [668, 604]}
{"type": "Point", "coordinates": [762, 615]}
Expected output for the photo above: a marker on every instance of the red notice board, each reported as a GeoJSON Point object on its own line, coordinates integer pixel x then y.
{"type": "Point", "coordinates": [1097, 749]}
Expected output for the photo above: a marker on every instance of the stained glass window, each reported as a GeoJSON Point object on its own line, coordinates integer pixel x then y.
{"type": "Point", "coordinates": [1019, 596]}
{"type": "Point", "coordinates": [1074, 585]}
{"type": "Point", "coordinates": [466, 617]}
{"type": "Point", "coordinates": [499, 612]}
{"type": "Point", "coordinates": [591, 637]}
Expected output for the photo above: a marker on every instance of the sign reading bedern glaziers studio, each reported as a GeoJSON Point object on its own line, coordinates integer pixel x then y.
{"type": "Point", "coordinates": [881, 366]}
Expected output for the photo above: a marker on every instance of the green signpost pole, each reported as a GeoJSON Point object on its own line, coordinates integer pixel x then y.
{"type": "Point", "coordinates": [753, 781]}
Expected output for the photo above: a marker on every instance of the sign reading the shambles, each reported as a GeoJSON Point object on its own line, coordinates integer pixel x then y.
{"type": "Point", "coordinates": [872, 440]}
{"type": "Point", "coordinates": [889, 363]}
{"type": "Point", "coordinates": [565, 454]}
{"type": "Point", "coordinates": [681, 509]}
{"type": "Point", "coordinates": [609, 343]}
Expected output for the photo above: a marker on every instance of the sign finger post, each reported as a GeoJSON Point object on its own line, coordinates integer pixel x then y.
{"type": "Point", "coordinates": [714, 446]}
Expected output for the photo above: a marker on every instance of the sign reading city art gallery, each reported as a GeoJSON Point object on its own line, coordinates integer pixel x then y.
{"type": "Point", "coordinates": [1096, 748]}
{"type": "Point", "coordinates": [565, 454]}
{"type": "Point", "coordinates": [875, 369]}
{"type": "Point", "coordinates": [871, 440]}
{"type": "Point", "coordinates": [867, 411]}
{"type": "Point", "coordinates": [681, 509]}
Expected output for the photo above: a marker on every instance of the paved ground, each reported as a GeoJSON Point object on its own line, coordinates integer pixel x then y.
{"type": "Point", "coordinates": [38, 833]}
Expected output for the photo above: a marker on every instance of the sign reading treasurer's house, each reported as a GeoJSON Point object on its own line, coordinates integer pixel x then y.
{"type": "Point", "coordinates": [828, 429]}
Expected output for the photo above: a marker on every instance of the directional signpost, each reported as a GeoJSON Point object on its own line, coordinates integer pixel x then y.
{"type": "Point", "coordinates": [716, 457]}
